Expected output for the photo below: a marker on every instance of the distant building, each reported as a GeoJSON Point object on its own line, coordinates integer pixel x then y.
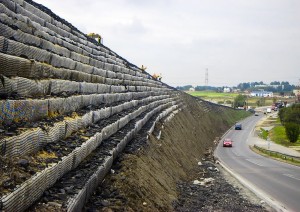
{"type": "Point", "coordinates": [226, 90]}
{"type": "Point", "coordinates": [265, 86]}
{"type": "Point", "coordinates": [261, 94]}
{"type": "Point", "coordinates": [236, 90]}
{"type": "Point", "coordinates": [192, 89]}
{"type": "Point", "coordinates": [296, 92]}
{"type": "Point", "coordinates": [261, 86]}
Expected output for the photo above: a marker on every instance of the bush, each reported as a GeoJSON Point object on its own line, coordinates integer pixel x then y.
{"type": "Point", "coordinates": [264, 133]}
{"type": "Point", "coordinates": [292, 131]}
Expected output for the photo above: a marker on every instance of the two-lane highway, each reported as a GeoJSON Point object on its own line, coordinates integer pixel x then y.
{"type": "Point", "coordinates": [276, 182]}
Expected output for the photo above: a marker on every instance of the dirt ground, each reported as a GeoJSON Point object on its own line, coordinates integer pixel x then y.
{"type": "Point", "coordinates": [161, 174]}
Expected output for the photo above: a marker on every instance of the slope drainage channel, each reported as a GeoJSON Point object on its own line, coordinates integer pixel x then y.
{"type": "Point", "coordinates": [64, 193]}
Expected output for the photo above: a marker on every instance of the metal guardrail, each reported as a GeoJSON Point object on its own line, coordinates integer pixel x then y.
{"type": "Point", "coordinates": [278, 154]}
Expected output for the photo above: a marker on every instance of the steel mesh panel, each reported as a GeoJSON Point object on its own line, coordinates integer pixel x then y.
{"type": "Point", "coordinates": [37, 12]}
{"type": "Point", "coordinates": [84, 68]}
{"type": "Point", "coordinates": [58, 131]}
{"type": "Point", "coordinates": [97, 99]}
{"type": "Point", "coordinates": [5, 86]}
{"type": "Point", "coordinates": [25, 87]}
{"type": "Point", "coordinates": [86, 100]}
{"type": "Point", "coordinates": [62, 73]}
{"type": "Point", "coordinates": [59, 31]}
{"type": "Point", "coordinates": [5, 30]}
{"type": "Point", "coordinates": [27, 38]}
{"type": "Point", "coordinates": [30, 15]}
{"type": "Point", "coordinates": [105, 112]}
{"type": "Point", "coordinates": [6, 111]}
{"type": "Point", "coordinates": [100, 72]}
{"type": "Point", "coordinates": [97, 79]}
{"type": "Point", "coordinates": [84, 77]}
{"type": "Point", "coordinates": [103, 88]}
{"type": "Point", "coordinates": [62, 62]}
{"type": "Point", "coordinates": [9, 4]}
{"type": "Point", "coordinates": [72, 103]}
{"type": "Point", "coordinates": [22, 110]}
{"type": "Point", "coordinates": [117, 89]}
{"type": "Point", "coordinates": [110, 74]}
{"type": "Point", "coordinates": [56, 106]}
{"type": "Point", "coordinates": [87, 119]}
{"type": "Point", "coordinates": [96, 116]}
{"type": "Point", "coordinates": [88, 88]}
{"type": "Point", "coordinates": [71, 126]}
{"type": "Point", "coordinates": [59, 86]}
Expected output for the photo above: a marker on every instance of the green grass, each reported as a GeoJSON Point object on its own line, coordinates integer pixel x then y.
{"type": "Point", "coordinates": [277, 134]}
{"type": "Point", "coordinates": [212, 94]}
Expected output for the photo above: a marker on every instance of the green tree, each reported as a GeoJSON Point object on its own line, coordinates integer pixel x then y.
{"type": "Point", "coordinates": [262, 101]}
{"type": "Point", "coordinates": [258, 103]}
{"type": "Point", "coordinates": [290, 114]}
{"type": "Point", "coordinates": [275, 83]}
{"type": "Point", "coordinates": [281, 115]}
{"type": "Point", "coordinates": [239, 101]}
{"type": "Point", "coordinates": [292, 131]}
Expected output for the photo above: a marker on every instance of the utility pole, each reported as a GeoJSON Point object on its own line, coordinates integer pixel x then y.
{"type": "Point", "coordinates": [206, 78]}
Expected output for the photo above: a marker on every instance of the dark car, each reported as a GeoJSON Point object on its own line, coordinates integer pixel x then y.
{"type": "Point", "coordinates": [227, 142]}
{"type": "Point", "coordinates": [238, 126]}
{"type": "Point", "coordinates": [251, 110]}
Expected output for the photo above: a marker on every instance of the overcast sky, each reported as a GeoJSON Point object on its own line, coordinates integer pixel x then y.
{"type": "Point", "coordinates": [235, 40]}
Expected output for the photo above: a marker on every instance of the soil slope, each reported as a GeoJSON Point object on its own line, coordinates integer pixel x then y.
{"type": "Point", "coordinates": [158, 175]}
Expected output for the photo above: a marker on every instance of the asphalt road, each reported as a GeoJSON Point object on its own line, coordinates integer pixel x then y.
{"type": "Point", "coordinates": [276, 182]}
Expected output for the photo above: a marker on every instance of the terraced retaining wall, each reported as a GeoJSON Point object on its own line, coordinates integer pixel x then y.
{"type": "Point", "coordinates": [56, 82]}
{"type": "Point", "coordinates": [64, 96]}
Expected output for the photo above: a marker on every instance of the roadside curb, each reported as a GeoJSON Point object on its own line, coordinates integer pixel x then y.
{"type": "Point", "coordinates": [277, 206]}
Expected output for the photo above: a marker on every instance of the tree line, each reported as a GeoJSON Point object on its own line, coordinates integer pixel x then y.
{"type": "Point", "coordinates": [275, 86]}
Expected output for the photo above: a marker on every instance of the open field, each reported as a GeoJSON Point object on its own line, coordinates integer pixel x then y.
{"type": "Point", "coordinates": [212, 94]}
{"type": "Point", "coordinates": [223, 98]}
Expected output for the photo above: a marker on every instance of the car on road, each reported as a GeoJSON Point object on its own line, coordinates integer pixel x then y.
{"type": "Point", "coordinates": [256, 114]}
{"type": "Point", "coordinates": [227, 142]}
{"type": "Point", "coordinates": [238, 126]}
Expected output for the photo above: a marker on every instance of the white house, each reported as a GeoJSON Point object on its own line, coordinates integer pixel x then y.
{"type": "Point", "coordinates": [226, 90]}
{"type": "Point", "coordinates": [296, 92]}
{"type": "Point", "coordinates": [261, 94]}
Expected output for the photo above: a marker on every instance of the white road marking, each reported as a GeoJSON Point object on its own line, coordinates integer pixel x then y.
{"type": "Point", "coordinates": [291, 176]}
{"type": "Point", "coordinates": [235, 152]}
{"type": "Point", "coordinates": [254, 162]}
